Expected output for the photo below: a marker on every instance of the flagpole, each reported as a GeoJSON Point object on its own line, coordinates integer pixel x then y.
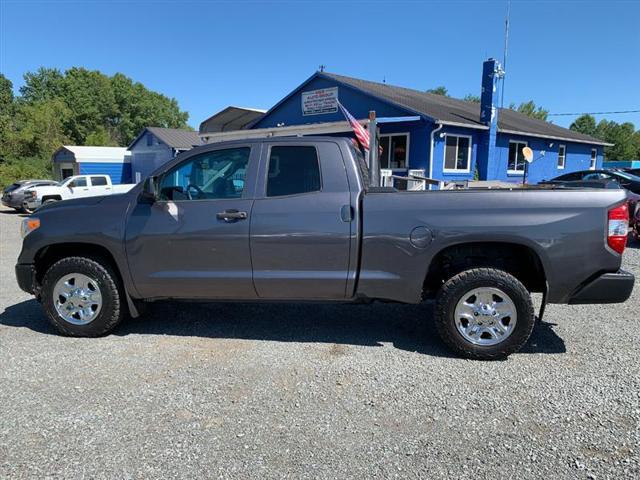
{"type": "Point", "coordinates": [374, 167]}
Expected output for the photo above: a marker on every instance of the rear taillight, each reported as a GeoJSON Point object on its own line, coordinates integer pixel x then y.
{"type": "Point", "coordinates": [618, 228]}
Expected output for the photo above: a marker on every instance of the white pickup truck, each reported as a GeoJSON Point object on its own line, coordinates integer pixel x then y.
{"type": "Point", "coordinates": [77, 186]}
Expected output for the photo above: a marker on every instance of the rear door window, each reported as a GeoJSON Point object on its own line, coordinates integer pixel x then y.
{"type": "Point", "coordinates": [293, 170]}
{"type": "Point", "coordinates": [98, 181]}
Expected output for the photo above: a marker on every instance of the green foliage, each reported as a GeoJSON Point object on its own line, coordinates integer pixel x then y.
{"type": "Point", "coordinates": [530, 110]}
{"type": "Point", "coordinates": [470, 97]}
{"type": "Point", "coordinates": [12, 170]}
{"type": "Point", "coordinates": [622, 136]}
{"type": "Point", "coordinates": [43, 84]}
{"type": "Point", "coordinates": [79, 106]}
{"type": "Point", "coordinates": [585, 124]}
{"type": "Point", "coordinates": [441, 90]}
{"type": "Point", "coordinates": [625, 137]}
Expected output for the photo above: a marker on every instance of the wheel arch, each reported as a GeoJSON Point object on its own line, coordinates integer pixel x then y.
{"type": "Point", "coordinates": [50, 254]}
{"type": "Point", "coordinates": [518, 259]}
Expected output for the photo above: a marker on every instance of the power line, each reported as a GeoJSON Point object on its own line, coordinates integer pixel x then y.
{"type": "Point", "coordinates": [593, 113]}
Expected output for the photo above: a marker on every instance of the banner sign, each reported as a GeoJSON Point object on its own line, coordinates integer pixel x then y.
{"type": "Point", "coordinates": [316, 102]}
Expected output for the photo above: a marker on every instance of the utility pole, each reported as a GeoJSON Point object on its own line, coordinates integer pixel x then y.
{"type": "Point", "coordinates": [374, 165]}
{"type": "Point", "coordinates": [506, 50]}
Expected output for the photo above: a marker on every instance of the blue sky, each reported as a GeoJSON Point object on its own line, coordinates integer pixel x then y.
{"type": "Point", "coordinates": [567, 56]}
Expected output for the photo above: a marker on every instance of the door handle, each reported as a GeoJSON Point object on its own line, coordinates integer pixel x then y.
{"type": "Point", "coordinates": [231, 215]}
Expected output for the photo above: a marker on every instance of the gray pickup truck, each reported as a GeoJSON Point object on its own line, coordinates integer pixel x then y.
{"type": "Point", "coordinates": [295, 219]}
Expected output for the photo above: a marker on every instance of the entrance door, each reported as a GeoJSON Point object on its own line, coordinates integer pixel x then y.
{"type": "Point", "coordinates": [193, 242]}
{"type": "Point", "coordinates": [300, 225]}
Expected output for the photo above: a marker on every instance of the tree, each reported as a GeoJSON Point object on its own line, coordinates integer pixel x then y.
{"type": "Point", "coordinates": [80, 106]}
{"type": "Point", "coordinates": [138, 107]}
{"type": "Point", "coordinates": [6, 115]}
{"type": "Point", "coordinates": [104, 110]}
{"type": "Point", "coordinates": [636, 143]}
{"type": "Point", "coordinates": [529, 109]}
{"type": "Point", "coordinates": [585, 124]}
{"type": "Point", "coordinates": [622, 138]}
{"type": "Point", "coordinates": [43, 84]}
{"type": "Point", "coordinates": [470, 97]}
{"type": "Point", "coordinates": [441, 90]}
{"type": "Point", "coordinates": [40, 128]}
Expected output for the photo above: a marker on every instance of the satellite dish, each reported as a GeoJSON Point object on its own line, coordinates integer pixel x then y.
{"type": "Point", "coordinates": [528, 154]}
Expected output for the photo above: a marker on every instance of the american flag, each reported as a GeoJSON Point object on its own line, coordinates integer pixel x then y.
{"type": "Point", "coordinates": [361, 134]}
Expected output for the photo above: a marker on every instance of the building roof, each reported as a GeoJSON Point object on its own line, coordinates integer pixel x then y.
{"type": "Point", "coordinates": [453, 111]}
{"type": "Point", "coordinates": [83, 153]}
{"type": "Point", "coordinates": [230, 118]}
{"type": "Point", "coordinates": [172, 137]}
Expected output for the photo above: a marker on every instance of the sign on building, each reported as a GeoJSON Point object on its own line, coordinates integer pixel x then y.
{"type": "Point", "coordinates": [316, 102]}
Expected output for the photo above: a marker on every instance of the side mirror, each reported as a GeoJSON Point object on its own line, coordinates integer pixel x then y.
{"type": "Point", "coordinates": [149, 191]}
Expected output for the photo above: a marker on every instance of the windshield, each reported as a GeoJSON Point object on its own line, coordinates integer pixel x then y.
{"type": "Point", "coordinates": [628, 176]}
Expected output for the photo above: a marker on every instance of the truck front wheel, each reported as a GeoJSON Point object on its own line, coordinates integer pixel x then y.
{"type": "Point", "coordinates": [82, 297]}
{"type": "Point", "coordinates": [484, 314]}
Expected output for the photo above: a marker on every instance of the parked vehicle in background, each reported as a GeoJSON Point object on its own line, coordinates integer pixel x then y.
{"type": "Point", "coordinates": [624, 179]}
{"type": "Point", "coordinates": [13, 195]}
{"type": "Point", "coordinates": [78, 186]}
{"type": "Point", "coordinates": [295, 219]}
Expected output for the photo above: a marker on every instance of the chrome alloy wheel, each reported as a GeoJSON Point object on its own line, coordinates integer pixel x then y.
{"type": "Point", "coordinates": [77, 298]}
{"type": "Point", "coordinates": [485, 316]}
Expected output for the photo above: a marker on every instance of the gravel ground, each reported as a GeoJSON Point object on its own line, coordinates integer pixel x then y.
{"type": "Point", "coordinates": [308, 391]}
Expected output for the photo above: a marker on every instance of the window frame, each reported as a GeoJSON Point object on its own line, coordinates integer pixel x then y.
{"type": "Point", "coordinates": [398, 134]}
{"type": "Point", "coordinates": [593, 160]}
{"type": "Point", "coordinates": [265, 177]}
{"type": "Point", "coordinates": [564, 157]}
{"type": "Point", "coordinates": [105, 184]}
{"type": "Point", "coordinates": [178, 165]}
{"type": "Point", "coordinates": [516, 172]}
{"type": "Point", "coordinates": [444, 153]}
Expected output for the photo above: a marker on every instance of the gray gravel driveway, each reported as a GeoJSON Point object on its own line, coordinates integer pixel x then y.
{"type": "Point", "coordinates": [313, 391]}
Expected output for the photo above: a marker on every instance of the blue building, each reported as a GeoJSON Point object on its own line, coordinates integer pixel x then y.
{"type": "Point", "coordinates": [450, 139]}
{"type": "Point", "coordinates": [155, 146]}
{"type": "Point", "coordinates": [80, 160]}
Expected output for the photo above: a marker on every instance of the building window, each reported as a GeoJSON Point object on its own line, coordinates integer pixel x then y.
{"type": "Point", "coordinates": [594, 159]}
{"type": "Point", "coordinates": [293, 170]}
{"type": "Point", "coordinates": [516, 157]}
{"type": "Point", "coordinates": [149, 140]}
{"type": "Point", "coordinates": [457, 153]}
{"type": "Point", "coordinates": [562, 154]}
{"type": "Point", "coordinates": [395, 151]}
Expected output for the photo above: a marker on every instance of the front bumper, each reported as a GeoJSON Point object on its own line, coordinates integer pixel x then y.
{"type": "Point", "coordinates": [31, 204]}
{"type": "Point", "coordinates": [607, 288]}
{"type": "Point", "coordinates": [26, 276]}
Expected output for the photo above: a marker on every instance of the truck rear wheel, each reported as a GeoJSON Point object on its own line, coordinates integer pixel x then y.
{"type": "Point", "coordinates": [484, 314]}
{"type": "Point", "coordinates": [82, 297]}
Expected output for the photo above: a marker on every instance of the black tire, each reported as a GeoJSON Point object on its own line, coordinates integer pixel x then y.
{"type": "Point", "coordinates": [113, 307]}
{"type": "Point", "coordinates": [460, 285]}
